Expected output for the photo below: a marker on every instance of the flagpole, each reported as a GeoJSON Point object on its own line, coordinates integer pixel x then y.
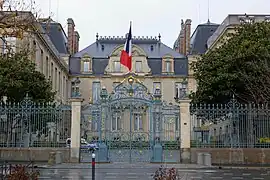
{"type": "Point", "coordinates": [130, 23]}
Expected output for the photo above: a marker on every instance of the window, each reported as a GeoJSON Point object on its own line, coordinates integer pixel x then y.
{"type": "Point", "coordinates": [9, 45]}
{"type": "Point", "coordinates": [138, 124]}
{"type": "Point", "coordinates": [152, 47]}
{"type": "Point", "coordinates": [96, 87]}
{"type": "Point", "coordinates": [59, 83]}
{"type": "Point", "coordinates": [180, 90]}
{"type": "Point", "coordinates": [64, 87]}
{"type": "Point", "coordinates": [138, 66]}
{"type": "Point", "coordinates": [67, 89]}
{"type": "Point", "coordinates": [86, 66]}
{"type": "Point", "coordinates": [117, 66]}
{"type": "Point", "coordinates": [55, 80]}
{"type": "Point", "coordinates": [156, 85]}
{"type": "Point", "coordinates": [116, 121]}
{"type": "Point", "coordinates": [168, 66]}
{"type": "Point", "coordinates": [52, 75]}
{"type": "Point", "coordinates": [41, 61]}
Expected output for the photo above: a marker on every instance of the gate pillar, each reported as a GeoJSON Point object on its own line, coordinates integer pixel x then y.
{"type": "Point", "coordinates": [185, 130]}
{"type": "Point", "coordinates": [75, 129]}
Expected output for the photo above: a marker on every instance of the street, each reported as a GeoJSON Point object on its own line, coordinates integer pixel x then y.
{"type": "Point", "coordinates": [124, 171]}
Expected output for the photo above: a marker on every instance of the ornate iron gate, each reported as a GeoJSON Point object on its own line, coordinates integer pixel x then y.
{"type": "Point", "coordinates": [132, 125]}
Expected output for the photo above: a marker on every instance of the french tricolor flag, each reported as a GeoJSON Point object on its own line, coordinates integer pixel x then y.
{"type": "Point", "coordinates": [126, 56]}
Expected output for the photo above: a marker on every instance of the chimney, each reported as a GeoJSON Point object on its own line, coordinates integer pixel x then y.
{"type": "Point", "coordinates": [187, 35]}
{"type": "Point", "coordinates": [76, 41]}
{"type": "Point", "coordinates": [184, 40]}
{"type": "Point", "coordinates": [71, 28]}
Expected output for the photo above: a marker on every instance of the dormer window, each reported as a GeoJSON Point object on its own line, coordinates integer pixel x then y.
{"type": "Point", "coordinates": [167, 65]}
{"type": "Point", "coordinates": [86, 64]}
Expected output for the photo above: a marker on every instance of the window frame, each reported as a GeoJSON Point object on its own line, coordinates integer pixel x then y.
{"type": "Point", "coordinates": [180, 90]}
{"type": "Point", "coordinates": [114, 66]}
{"type": "Point", "coordinates": [140, 69]}
{"type": "Point", "coordinates": [86, 59]}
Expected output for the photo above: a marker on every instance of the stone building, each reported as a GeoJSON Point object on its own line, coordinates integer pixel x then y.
{"type": "Point", "coordinates": [153, 63]}
{"type": "Point", "coordinates": [228, 26]}
{"type": "Point", "coordinates": [48, 43]}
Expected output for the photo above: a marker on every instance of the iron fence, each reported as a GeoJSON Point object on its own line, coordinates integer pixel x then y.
{"type": "Point", "coordinates": [231, 125]}
{"type": "Point", "coordinates": [29, 124]}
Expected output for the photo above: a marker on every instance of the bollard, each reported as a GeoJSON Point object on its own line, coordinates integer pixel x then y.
{"type": "Point", "coordinates": [200, 160]}
{"type": "Point", "coordinates": [207, 159]}
{"type": "Point", "coordinates": [93, 165]}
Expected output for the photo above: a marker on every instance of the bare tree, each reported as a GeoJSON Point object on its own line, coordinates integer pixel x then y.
{"type": "Point", "coordinates": [257, 81]}
{"type": "Point", "coordinates": [20, 20]}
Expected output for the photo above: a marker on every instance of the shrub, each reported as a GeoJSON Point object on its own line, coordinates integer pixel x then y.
{"type": "Point", "coordinates": [20, 172]}
{"type": "Point", "coordinates": [165, 174]}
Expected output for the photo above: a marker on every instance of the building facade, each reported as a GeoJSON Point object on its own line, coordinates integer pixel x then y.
{"type": "Point", "coordinates": [228, 26]}
{"type": "Point", "coordinates": [48, 44]}
{"type": "Point", "coordinates": [155, 67]}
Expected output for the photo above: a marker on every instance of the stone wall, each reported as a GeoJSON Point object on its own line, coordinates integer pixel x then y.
{"type": "Point", "coordinates": [225, 156]}
{"type": "Point", "coordinates": [32, 154]}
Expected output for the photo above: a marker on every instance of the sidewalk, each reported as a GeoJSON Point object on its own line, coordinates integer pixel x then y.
{"type": "Point", "coordinates": [122, 166]}
{"type": "Point", "coordinates": [149, 165]}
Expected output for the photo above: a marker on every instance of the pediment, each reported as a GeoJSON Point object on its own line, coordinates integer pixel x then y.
{"type": "Point", "coordinates": [136, 51]}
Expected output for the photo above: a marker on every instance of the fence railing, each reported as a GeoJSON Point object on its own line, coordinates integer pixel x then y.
{"type": "Point", "coordinates": [29, 124]}
{"type": "Point", "coordinates": [231, 125]}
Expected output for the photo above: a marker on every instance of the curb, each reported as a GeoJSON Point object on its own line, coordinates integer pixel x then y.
{"type": "Point", "coordinates": [241, 167]}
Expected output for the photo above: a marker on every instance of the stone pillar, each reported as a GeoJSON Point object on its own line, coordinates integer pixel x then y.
{"type": "Point", "coordinates": [75, 129]}
{"type": "Point", "coordinates": [185, 130]}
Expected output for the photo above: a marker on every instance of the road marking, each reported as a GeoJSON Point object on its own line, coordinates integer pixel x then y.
{"type": "Point", "coordinates": [237, 178]}
{"type": "Point", "coordinates": [110, 177]}
{"type": "Point", "coordinates": [227, 174]}
{"type": "Point", "coordinates": [264, 174]}
{"type": "Point", "coordinates": [132, 173]}
{"type": "Point", "coordinates": [43, 177]}
{"type": "Point", "coordinates": [196, 177]}
{"type": "Point", "coordinates": [112, 173]}
{"type": "Point", "coordinates": [246, 174]}
{"type": "Point", "coordinates": [257, 178]}
{"type": "Point", "coordinates": [216, 177]}
{"type": "Point", "coordinates": [132, 177]}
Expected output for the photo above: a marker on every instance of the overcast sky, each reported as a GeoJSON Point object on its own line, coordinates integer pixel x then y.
{"type": "Point", "coordinates": [149, 17]}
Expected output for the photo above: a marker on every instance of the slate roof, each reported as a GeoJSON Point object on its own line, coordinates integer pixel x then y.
{"type": "Point", "coordinates": [57, 36]}
{"type": "Point", "coordinates": [101, 50]}
{"type": "Point", "coordinates": [200, 36]}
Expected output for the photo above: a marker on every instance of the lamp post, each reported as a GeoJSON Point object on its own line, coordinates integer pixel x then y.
{"type": "Point", "coordinates": [103, 150]}
{"type": "Point", "coordinates": [157, 149]}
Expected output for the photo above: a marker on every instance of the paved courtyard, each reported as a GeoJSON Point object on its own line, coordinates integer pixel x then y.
{"type": "Point", "coordinates": [124, 171]}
